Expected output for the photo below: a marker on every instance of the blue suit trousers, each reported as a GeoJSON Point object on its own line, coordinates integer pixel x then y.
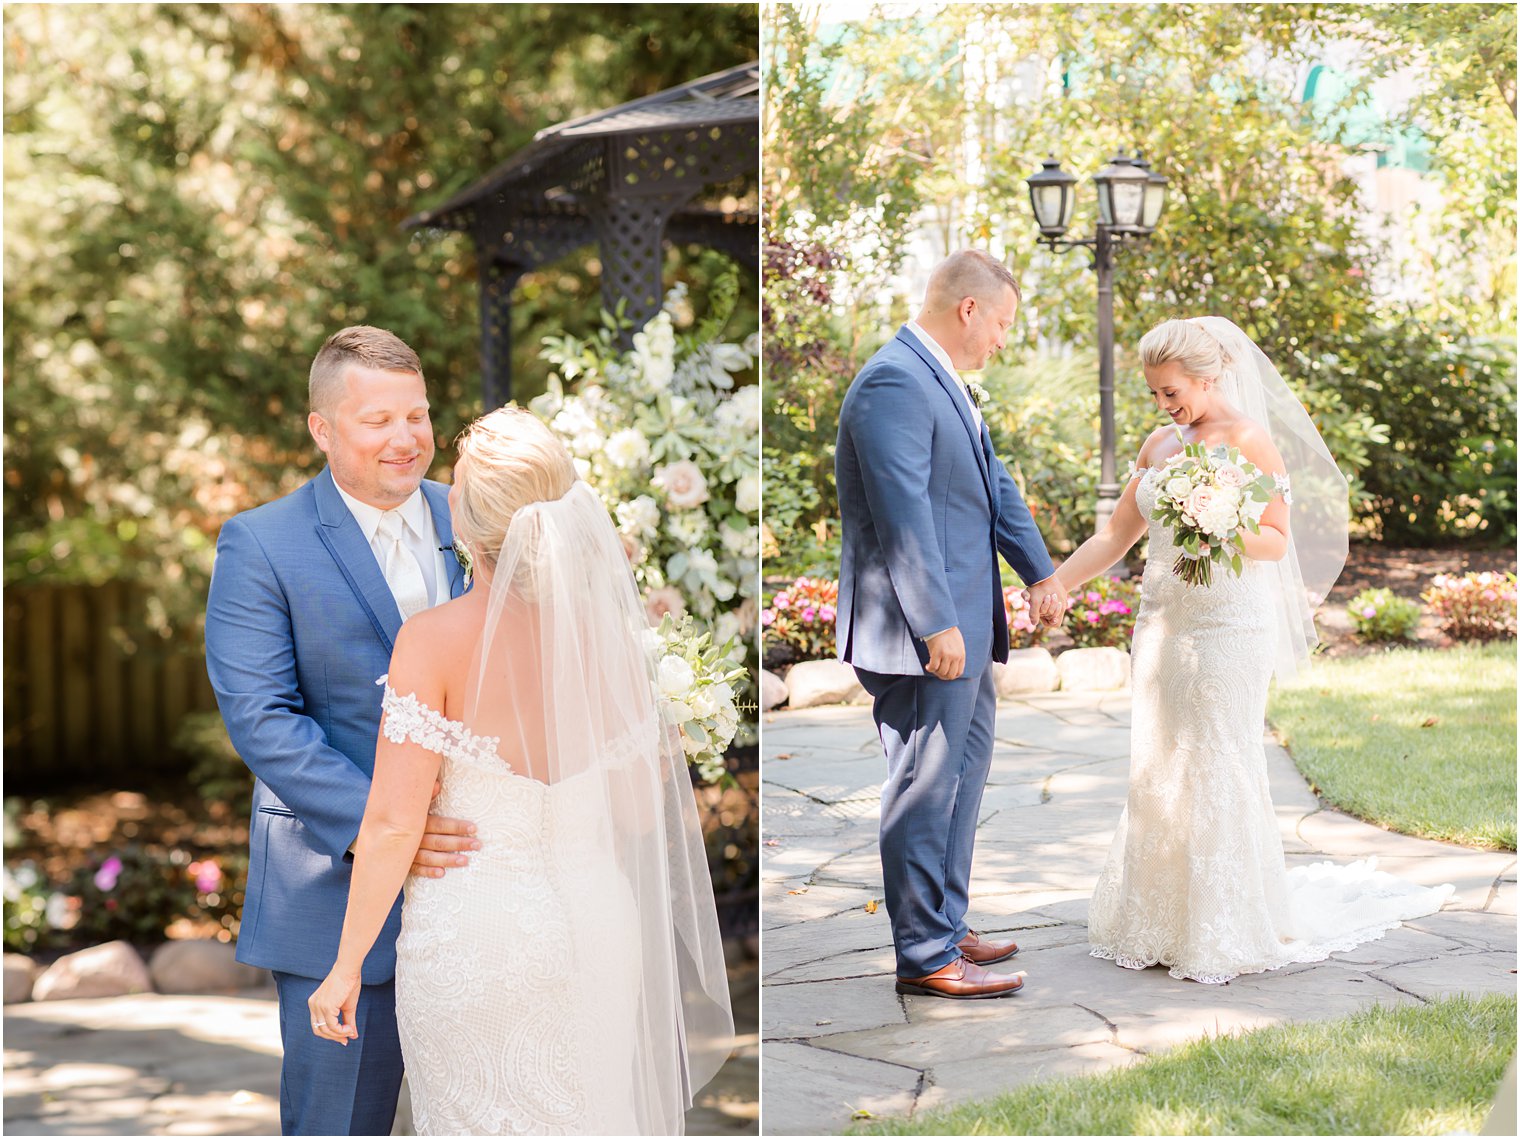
{"type": "Point", "coordinates": [937, 735]}
{"type": "Point", "coordinates": [328, 1088]}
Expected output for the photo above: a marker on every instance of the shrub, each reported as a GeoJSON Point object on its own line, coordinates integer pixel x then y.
{"type": "Point", "coordinates": [1024, 629]}
{"type": "Point", "coordinates": [1382, 615]}
{"type": "Point", "coordinates": [802, 617]}
{"type": "Point", "coordinates": [1475, 606]}
{"type": "Point", "coordinates": [35, 916]}
{"type": "Point", "coordinates": [135, 893]}
{"type": "Point", "coordinates": [1103, 614]}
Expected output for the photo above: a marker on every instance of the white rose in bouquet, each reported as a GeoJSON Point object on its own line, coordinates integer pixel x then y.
{"type": "Point", "coordinates": [684, 484]}
{"type": "Point", "coordinates": [747, 494]}
{"type": "Point", "coordinates": [1177, 487]}
{"type": "Point", "coordinates": [676, 677]}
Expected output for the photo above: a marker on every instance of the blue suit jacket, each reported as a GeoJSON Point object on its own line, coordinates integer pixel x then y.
{"type": "Point", "coordinates": [926, 508]}
{"type": "Point", "coordinates": [299, 624]}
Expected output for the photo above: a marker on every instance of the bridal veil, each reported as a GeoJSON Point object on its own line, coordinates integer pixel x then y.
{"type": "Point", "coordinates": [563, 681]}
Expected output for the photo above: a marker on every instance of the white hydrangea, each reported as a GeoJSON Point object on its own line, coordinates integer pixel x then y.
{"type": "Point", "coordinates": [640, 516]}
{"type": "Point", "coordinates": [627, 449]}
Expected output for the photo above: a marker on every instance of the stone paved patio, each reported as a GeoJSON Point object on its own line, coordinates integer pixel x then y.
{"type": "Point", "coordinates": [161, 1065]}
{"type": "Point", "coordinates": [836, 1038]}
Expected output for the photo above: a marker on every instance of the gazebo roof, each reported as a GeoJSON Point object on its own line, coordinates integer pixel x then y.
{"type": "Point", "coordinates": [723, 98]}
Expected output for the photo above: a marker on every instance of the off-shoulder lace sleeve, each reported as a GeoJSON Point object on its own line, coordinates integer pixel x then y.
{"type": "Point", "coordinates": [405, 718]}
{"type": "Point", "coordinates": [1136, 472]}
{"type": "Point", "coordinates": [1283, 487]}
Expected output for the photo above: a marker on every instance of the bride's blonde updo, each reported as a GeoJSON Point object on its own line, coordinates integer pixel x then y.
{"type": "Point", "coordinates": [1189, 345]}
{"type": "Point", "coordinates": [514, 460]}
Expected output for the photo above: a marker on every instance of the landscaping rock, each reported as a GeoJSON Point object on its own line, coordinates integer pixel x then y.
{"type": "Point", "coordinates": [1027, 670]}
{"type": "Point", "coordinates": [1093, 670]}
{"type": "Point", "coordinates": [201, 966]}
{"type": "Point", "coordinates": [20, 972]}
{"type": "Point", "coordinates": [814, 682]}
{"type": "Point", "coordinates": [110, 970]}
{"type": "Point", "coordinates": [772, 690]}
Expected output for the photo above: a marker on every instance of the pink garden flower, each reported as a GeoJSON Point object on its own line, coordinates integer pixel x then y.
{"type": "Point", "coordinates": [108, 874]}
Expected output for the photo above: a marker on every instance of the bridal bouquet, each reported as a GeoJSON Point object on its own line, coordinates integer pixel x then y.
{"type": "Point", "coordinates": [696, 680]}
{"type": "Point", "coordinates": [1209, 497]}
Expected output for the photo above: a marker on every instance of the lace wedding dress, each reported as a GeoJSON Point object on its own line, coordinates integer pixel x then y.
{"type": "Point", "coordinates": [517, 976]}
{"type": "Point", "coordinates": [1195, 879]}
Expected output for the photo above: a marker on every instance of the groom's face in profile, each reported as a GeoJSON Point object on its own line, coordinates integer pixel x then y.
{"type": "Point", "coordinates": [377, 435]}
{"type": "Point", "coordinates": [987, 328]}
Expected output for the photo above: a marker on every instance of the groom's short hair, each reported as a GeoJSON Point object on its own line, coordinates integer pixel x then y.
{"type": "Point", "coordinates": [360, 344]}
{"type": "Point", "coordinates": [969, 273]}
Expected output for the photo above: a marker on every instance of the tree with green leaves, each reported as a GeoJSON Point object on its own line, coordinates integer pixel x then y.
{"type": "Point", "coordinates": [1267, 223]}
{"type": "Point", "coordinates": [197, 195]}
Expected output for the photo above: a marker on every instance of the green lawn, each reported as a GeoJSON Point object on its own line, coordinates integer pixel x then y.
{"type": "Point", "coordinates": [1418, 1070]}
{"type": "Point", "coordinates": [1419, 741]}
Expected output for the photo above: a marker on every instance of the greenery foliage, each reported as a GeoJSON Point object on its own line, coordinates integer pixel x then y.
{"type": "Point", "coordinates": [1418, 741]}
{"type": "Point", "coordinates": [1382, 615]}
{"type": "Point", "coordinates": [1414, 1069]}
{"type": "Point", "coordinates": [197, 195]}
{"type": "Point", "coordinates": [1393, 324]}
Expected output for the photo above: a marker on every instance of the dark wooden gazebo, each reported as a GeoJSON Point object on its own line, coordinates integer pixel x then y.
{"type": "Point", "coordinates": [627, 179]}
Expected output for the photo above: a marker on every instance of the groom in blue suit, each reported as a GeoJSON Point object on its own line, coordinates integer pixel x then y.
{"type": "Point", "coordinates": [307, 596]}
{"type": "Point", "coordinates": [926, 509]}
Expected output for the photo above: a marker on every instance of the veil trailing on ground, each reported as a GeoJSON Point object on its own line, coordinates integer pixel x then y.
{"type": "Point", "coordinates": [1320, 508]}
{"type": "Point", "coordinates": [563, 682]}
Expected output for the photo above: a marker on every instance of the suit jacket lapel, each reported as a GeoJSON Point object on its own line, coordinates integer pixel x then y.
{"type": "Point", "coordinates": [443, 522]}
{"type": "Point", "coordinates": [954, 390]}
{"type": "Point", "coordinates": [345, 541]}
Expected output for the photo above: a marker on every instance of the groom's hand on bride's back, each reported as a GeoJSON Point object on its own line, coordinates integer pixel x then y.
{"type": "Point", "coordinates": [445, 845]}
{"type": "Point", "coordinates": [947, 654]}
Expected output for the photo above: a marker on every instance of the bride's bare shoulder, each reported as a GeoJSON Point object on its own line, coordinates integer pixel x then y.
{"type": "Point", "coordinates": [1154, 449]}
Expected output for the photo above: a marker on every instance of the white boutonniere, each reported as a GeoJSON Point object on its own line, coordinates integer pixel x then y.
{"type": "Point", "coordinates": [462, 556]}
{"type": "Point", "coordinates": [979, 395]}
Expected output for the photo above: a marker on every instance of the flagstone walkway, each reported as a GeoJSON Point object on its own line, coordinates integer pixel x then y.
{"type": "Point", "coordinates": [836, 1038]}
{"type": "Point", "coordinates": [202, 1065]}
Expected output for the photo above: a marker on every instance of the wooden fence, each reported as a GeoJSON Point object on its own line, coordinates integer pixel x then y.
{"type": "Point", "coordinates": [91, 692]}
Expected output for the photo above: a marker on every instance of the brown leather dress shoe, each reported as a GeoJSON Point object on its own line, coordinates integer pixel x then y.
{"type": "Point", "coordinates": [986, 952]}
{"type": "Point", "coordinates": [962, 980]}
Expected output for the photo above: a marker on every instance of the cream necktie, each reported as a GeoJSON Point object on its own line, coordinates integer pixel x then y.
{"type": "Point", "coordinates": [402, 573]}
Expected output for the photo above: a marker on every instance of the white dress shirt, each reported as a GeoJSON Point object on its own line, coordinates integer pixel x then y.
{"type": "Point", "coordinates": [419, 537]}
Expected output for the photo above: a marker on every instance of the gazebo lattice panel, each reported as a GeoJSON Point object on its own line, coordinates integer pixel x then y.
{"type": "Point", "coordinates": [628, 180]}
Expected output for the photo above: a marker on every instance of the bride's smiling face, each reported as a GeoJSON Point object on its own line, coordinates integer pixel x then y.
{"type": "Point", "coordinates": [1183, 398]}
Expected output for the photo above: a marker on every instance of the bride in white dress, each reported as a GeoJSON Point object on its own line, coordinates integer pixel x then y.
{"type": "Point", "coordinates": [570, 978]}
{"type": "Point", "coordinates": [1195, 879]}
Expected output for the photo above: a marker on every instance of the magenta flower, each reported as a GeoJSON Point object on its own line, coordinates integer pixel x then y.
{"type": "Point", "coordinates": [767, 616]}
{"type": "Point", "coordinates": [208, 875]}
{"type": "Point", "coordinates": [1094, 596]}
{"type": "Point", "coordinates": [809, 614]}
{"type": "Point", "coordinates": [781, 600]}
{"type": "Point", "coordinates": [827, 613]}
{"type": "Point", "coordinates": [1092, 618]}
{"type": "Point", "coordinates": [1369, 611]}
{"type": "Point", "coordinates": [106, 877]}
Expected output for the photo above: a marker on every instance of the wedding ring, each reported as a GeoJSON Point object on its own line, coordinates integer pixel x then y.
{"type": "Point", "coordinates": [319, 1024]}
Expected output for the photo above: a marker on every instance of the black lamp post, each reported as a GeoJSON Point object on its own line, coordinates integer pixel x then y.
{"type": "Point", "coordinates": [1131, 197]}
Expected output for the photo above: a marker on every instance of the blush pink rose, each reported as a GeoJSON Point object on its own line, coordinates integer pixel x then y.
{"type": "Point", "coordinates": [665, 600]}
{"type": "Point", "coordinates": [1199, 500]}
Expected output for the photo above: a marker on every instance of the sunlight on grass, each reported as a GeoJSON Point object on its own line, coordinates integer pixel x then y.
{"type": "Point", "coordinates": [1417, 741]}
{"type": "Point", "coordinates": [1414, 1070]}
